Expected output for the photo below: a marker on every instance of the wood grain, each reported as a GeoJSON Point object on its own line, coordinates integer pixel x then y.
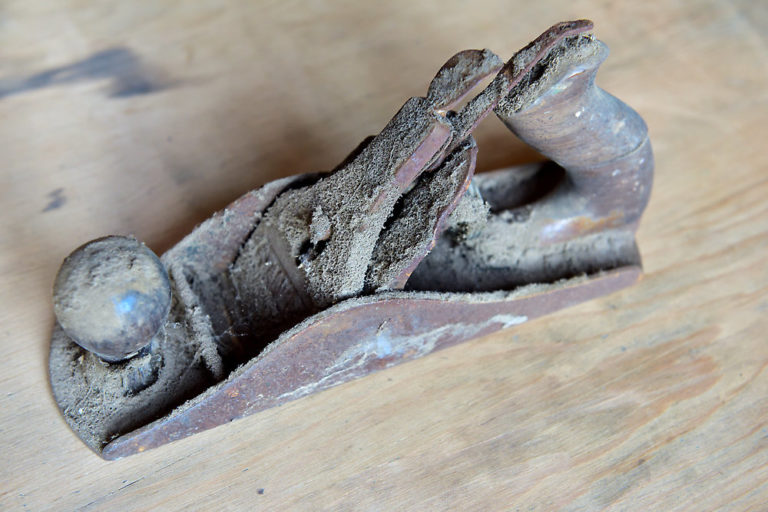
{"type": "Point", "coordinates": [145, 117]}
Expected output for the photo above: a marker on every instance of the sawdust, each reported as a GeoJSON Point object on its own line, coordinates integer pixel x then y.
{"type": "Point", "coordinates": [567, 56]}
{"type": "Point", "coordinates": [421, 216]}
{"type": "Point", "coordinates": [101, 400]}
{"type": "Point", "coordinates": [315, 243]}
{"type": "Point", "coordinates": [506, 252]}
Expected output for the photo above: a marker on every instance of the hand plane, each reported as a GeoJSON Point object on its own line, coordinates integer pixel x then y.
{"type": "Point", "coordinates": [317, 279]}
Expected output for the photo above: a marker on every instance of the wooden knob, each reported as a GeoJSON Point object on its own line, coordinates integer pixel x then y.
{"type": "Point", "coordinates": [111, 296]}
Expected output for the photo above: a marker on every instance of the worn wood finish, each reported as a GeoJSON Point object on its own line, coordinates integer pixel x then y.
{"type": "Point", "coordinates": [161, 112]}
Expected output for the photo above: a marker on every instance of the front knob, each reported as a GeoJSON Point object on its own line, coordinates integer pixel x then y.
{"type": "Point", "coordinates": [111, 296]}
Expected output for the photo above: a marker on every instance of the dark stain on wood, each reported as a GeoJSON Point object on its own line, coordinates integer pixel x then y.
{"type": "Point", "coordinates": [129, 75]}
{"type": "Point", "coordinates": [56, 199]}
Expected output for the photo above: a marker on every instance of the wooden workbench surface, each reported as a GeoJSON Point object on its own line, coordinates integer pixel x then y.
{"type": "Point", "coordinates": [145, 118]}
